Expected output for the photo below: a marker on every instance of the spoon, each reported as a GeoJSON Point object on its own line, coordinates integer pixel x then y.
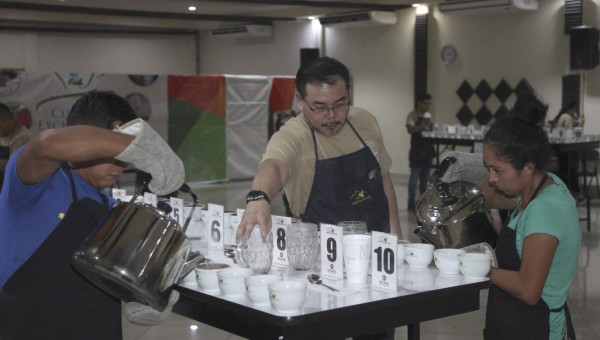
{"type": "Point", "coordinates": [316, 279]}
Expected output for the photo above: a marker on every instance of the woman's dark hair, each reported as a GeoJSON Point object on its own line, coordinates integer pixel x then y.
{"type": "Point", "coordinates": [100, 108]}
{"type": "Point", "coordinates": [519, 137]}
{"type": "Point", "coordinates": [324, 70]}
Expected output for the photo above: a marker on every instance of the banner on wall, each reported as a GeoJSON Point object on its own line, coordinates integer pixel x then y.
{"type": "Point", "coordinates": [42, 101]}
{"type": "Point", "coordinates": [217, 124]}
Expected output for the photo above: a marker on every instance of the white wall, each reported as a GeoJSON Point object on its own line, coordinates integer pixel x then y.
{"type": "Point", "coordinates": [114, 53]}
{"type": "Point", "coordinates": [381, 60]}
{"type": "Point", "coordinates": [275, 55]}
{"type": "Point", "coordinates": [530, 45]}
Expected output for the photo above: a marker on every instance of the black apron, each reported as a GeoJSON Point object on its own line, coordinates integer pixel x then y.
{"type": "Point", "coordinates": [4, 154]}
{"type": "Point", "coordinates": [506, 316]}
{"type": "Point", "coordinates": [347, 188]}
{"type": "Point", "coordinates": [47, 299]}
{"type": "Point", "coordinates": [421, 152]}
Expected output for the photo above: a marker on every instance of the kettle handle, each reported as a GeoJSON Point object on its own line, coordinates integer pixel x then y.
{"type": "Point", "coordinates": [186, 189]}
{"type": "Point", "coordinates": [442, 168]}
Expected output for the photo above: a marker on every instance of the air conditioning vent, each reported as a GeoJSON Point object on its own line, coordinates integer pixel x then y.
{"type": "Point", "coordinates": [360, 19]}
{"type": "Point", "coordinates": [483, 7]}
{"type": "Point", "coordinates": [243, 31]}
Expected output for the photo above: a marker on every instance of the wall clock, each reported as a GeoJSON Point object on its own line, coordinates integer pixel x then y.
{"type": "Point", "coordinates": [449, 54]}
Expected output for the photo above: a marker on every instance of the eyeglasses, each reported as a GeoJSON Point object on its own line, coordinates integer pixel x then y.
{"type": "Point", "coordinates": [336, 108]}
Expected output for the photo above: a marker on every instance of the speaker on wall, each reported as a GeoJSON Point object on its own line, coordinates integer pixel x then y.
{"type": "Point", "coordinates": [308, 54]}
{"type": "Point", "coordinates": [584, 47]}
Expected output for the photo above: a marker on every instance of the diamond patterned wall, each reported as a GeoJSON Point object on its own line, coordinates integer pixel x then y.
{"type": "Point", "coordinates": [483, 103]}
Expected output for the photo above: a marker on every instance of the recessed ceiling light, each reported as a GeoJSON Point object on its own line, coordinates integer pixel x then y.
{"type": "Point", "coordinates": [192, 8]}
{"type": "Point", "coordinates": [193, 327]}
{"type": "Point", "coordinates": [312, 17]}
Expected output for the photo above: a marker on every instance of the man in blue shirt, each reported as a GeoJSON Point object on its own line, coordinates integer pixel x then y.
{"type": "Point", "coordinates": [43, 179]}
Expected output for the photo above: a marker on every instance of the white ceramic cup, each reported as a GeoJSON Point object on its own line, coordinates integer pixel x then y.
{"type": "Point", "coordinates": [357, 257]}
{"type": "Point", "coordinates": [446, 260]}
{"type": "Point", "coordinates": [231, 281]}
{"type": "Point", "coordinates": [475, 265]}
{"type": "Point", "coordinates": [206, 277]}
{"type": "Point", "coordinates": [195, 229]}
{"type": "Point", "coordinates": [257, 289]}
{"type": "Point", "coordinates": [287, 297]}
{"type": "Point", "coordinates": [400, 250]}
{"type": "Point", "coordinates": [418, 255]}
{"type": "Point", "coordinates": [190, 279]}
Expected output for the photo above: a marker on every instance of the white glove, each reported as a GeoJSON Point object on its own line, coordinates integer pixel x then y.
{"type": "Point", "coordinates": [482, 247]}
{"type": "Point", "coordinates": [468, 167]}
{"type": "Point", "coordinates": [143, 315]}
{"type": "Point", "coordinates": [150, 153]}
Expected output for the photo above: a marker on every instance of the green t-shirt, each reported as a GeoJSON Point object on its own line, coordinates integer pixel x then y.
{"type": "Point", "coordinates": [553, 212]}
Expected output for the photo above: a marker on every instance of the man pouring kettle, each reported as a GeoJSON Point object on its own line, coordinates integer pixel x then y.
{"type": "Point", "coordinates": [53, 197]}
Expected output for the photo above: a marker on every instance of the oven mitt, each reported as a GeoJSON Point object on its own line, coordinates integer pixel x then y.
{"type": "Point", "coordinates": [468, 167]}
{"type": "Point", "coordinates": [144, 315]}
{"type": "Point", "coordinates": [482, 247]}
{"type": "Point", "coordinates": [150, 153]}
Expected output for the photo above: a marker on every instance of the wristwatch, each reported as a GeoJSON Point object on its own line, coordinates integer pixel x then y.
{"type": "Point", "coordinates": [256, 195]}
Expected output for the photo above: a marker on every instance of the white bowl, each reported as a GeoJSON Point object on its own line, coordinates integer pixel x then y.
{"type": "Point", "coordinates": [446, 260]}
{"type": "Point", "coordinates": [475, 265]}
{"type": "Point", "coordinates": [287, 296]}
{"type": "Point", "coordinates": [418, 255]}
{"type": "Point", "coordinates": [206, 277]}
{"type": "Point", "coordinates": [400, 250]}
{"type": "Point", "coordinates": [231, 281]}
{"type": "Point", "coordinates": [257, 288]}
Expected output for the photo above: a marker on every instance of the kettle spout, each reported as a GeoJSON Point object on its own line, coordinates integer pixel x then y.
{"type": "Point", "coordinates": [193, 259]}
{"type": "Point", "coordinates": [427, 237]}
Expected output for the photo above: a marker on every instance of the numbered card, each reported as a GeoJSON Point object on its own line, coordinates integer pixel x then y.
{"type": "Point", "coordinates": [215, 224]}
{"type": "Point", "coordinates": [280, 227]}
{"type": "Point", "coordinates": [332, 261]}
{"type": "Point", "coordinates": [383, 259]}
{"type": "Point", "coordinates": [150, 199]}
{"type": "Point", "coordinates": [177, 212]}
{"type": "Point", "coordinates": [119, 194]}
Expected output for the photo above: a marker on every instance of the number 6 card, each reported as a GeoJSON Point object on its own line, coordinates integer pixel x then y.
{"type": "Point", "coordinates": [383, 259]}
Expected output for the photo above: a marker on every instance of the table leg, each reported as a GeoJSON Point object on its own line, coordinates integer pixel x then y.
{"type": "Point", "coordinates": [414, 331]}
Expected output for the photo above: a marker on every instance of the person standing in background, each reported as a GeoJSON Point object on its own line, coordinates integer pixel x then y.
{"type": "Point", "coordinates": [12, 136]}
{"type": "Point", "coordinates": [421, 153]}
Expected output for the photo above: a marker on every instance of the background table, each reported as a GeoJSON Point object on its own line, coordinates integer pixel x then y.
{"type": "Point", "coordinates": [560, 145]}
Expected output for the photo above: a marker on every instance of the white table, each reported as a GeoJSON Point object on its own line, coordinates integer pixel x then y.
{"type": "Point", "coordinates": [422, 294]}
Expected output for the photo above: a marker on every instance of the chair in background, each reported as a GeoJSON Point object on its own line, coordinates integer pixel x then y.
{"type": "Point", "coordinates": [590, 171]}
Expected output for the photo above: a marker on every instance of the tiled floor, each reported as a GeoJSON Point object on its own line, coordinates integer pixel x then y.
{"type": "Point", "coordinates": [584, 296]}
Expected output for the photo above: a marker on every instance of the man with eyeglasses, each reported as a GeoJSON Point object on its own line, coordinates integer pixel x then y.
{"type": "Point", "coordinates": [330, 159]}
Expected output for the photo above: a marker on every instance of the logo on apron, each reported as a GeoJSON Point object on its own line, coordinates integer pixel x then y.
{"type": "Point", "coordinates": [360, 196]}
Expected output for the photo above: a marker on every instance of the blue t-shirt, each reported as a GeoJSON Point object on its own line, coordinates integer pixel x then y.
{"type": "Point", "coordinates": [29, 213]}
{"type": "Point", "coordinates": [553, 212]}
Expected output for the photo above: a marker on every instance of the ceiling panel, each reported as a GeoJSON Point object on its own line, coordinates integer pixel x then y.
{"type": "Point", "coordinates": [174, 13]}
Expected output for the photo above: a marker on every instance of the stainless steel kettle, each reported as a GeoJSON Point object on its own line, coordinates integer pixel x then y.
{"type": "Point", "coordinates": [453, 215]}
{"type": "Point", "coordinates": [137, 253]}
